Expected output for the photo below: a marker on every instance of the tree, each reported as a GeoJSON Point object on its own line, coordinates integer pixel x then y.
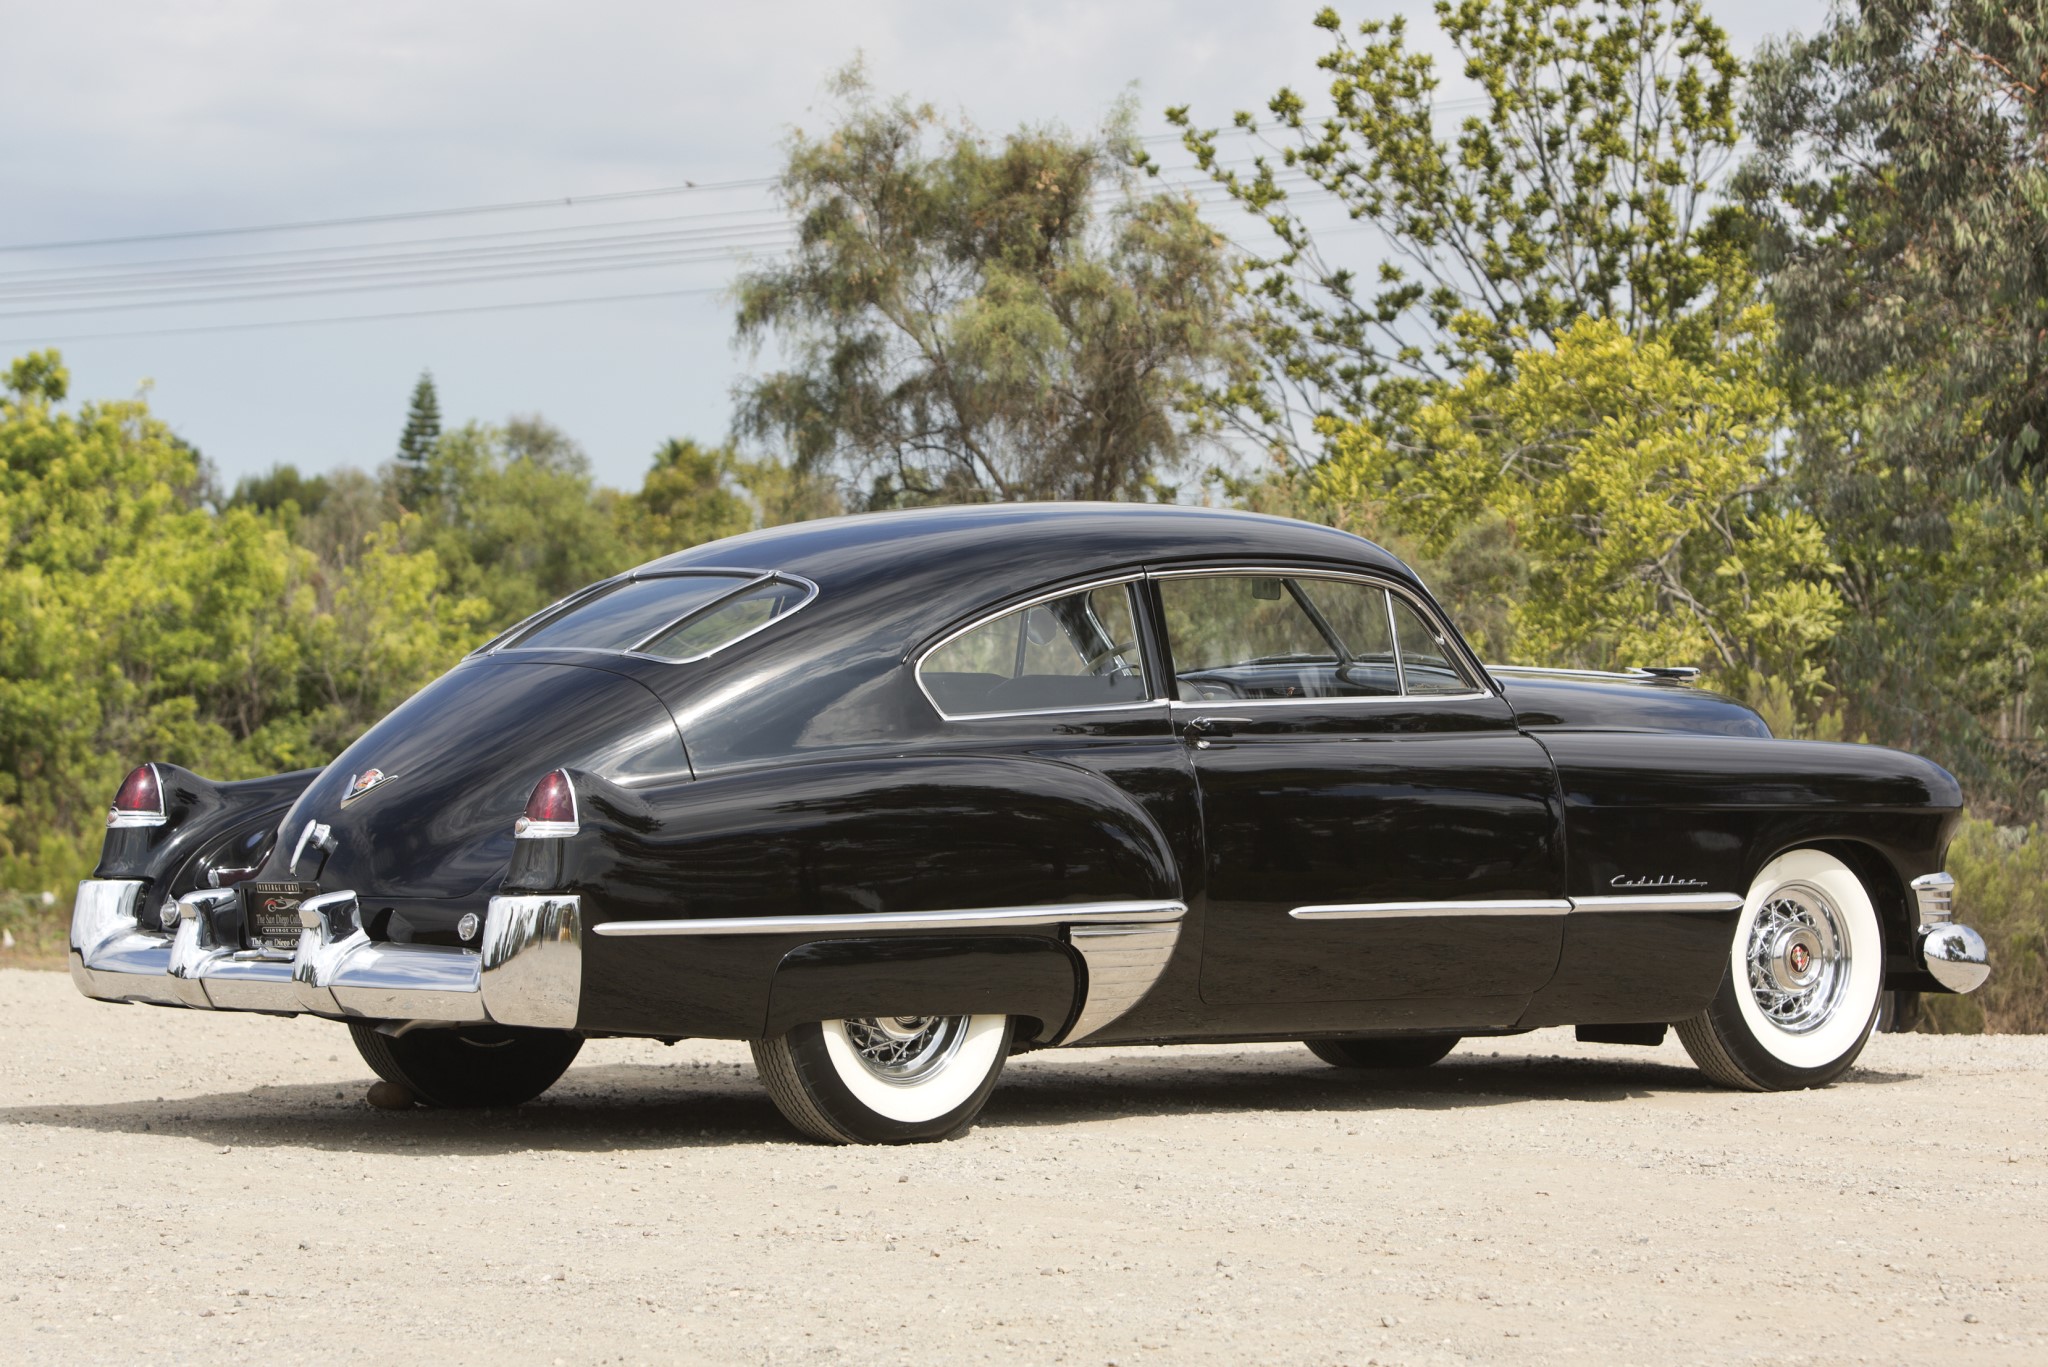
{"type": "Point", "coordinates": [1637, 481]}
{"type": "Point", "coordinates": [1901, 183]}
{"type": "Point", "coordinates": [967, 321]}
{"type": "Point", "coordinates": [136, 621]}
{"type": "Point", "coordinates": [1582, 187]}
{"type": "Point", "coordinates": [422, 431]}
{"type": "Point", "coordinates": [513, 516]}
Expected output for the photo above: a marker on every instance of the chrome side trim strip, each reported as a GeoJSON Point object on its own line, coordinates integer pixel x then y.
{"type": "Point", "coordinates": [1123, 961]}
{"type": "Point", "coordinates": [1670, 901]}
{"type": "Point", "coordinates": [1369, 911]}
{"type": "Point", "coordinates": [1079, 913]}
{"type": "Point", "coordinates": [1366, 911]}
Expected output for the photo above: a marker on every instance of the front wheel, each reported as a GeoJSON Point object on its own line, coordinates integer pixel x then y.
{"type": "Point", "coordinates": [1805, 973]}
{"type": "Point", "coordinates": [884, 1079]}
{"type": "Point", "coordinates": [468, 1065]}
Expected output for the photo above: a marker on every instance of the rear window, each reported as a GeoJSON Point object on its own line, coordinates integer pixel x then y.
{"type": "Point", "coordinates": [675, 617]}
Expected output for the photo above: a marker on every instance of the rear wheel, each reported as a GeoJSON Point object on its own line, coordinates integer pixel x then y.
{"type": "Point", "coordinates": [885, 1079]}
{"type": "Point", "coordinates": [1414, 1051]}
{"type": "Point", "coordinates": [1805, 974]}
{"type": "Point", "coordinates": [469, 1065]}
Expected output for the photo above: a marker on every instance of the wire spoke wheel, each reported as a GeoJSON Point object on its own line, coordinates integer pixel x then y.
{"type": "Point", "coordinates": [1805, 973]}
{"type": "Point", "coordinates": [905, 1049]}
{"type": "Point", "coordinates": [1798, 958]}
{"type": "Point", "coordinates": [885, 1079]}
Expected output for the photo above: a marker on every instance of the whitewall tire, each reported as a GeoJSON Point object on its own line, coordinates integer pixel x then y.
{"type": "Point", "coordinates": [887, 1079]}
{"type": "Point", "coordinates": [1804, 982]}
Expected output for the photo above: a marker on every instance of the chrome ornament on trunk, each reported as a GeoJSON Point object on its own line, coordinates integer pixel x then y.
{"type": "Point", "coordinates": [363, 782]}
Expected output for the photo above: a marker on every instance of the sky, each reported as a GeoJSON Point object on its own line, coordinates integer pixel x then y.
{"type": "Point", "coordinates": [135, 120]}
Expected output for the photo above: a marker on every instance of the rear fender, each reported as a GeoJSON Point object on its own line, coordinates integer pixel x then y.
{"type": "Point", "coordinates": [210, 830]}
{"type": "Point", "coordinates": [847, 838]}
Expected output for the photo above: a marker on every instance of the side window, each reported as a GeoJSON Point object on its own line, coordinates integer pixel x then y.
{"type": "Point", "coordinates": [1071, 653]}
{"type": "Point", "coordinates": [1268, 636]}
{"type": "Point", "coordinates": [1426, 663]}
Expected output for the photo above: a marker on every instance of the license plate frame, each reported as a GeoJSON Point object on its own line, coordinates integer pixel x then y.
{"type": "Point", "coordinates": [271, 913]}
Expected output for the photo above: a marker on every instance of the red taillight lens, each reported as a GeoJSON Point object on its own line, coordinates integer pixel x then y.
{"type": "Point", "coordinates": [140, 801]}
{"type": "Point", "coordinates": [551, 811]}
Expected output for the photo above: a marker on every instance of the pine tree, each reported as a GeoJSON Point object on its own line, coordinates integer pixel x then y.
{"type": "Point", "coordinates": [422, 431]}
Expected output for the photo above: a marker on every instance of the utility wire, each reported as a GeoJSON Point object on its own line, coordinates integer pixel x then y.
{"type": "Point", "coordinates": [361, 219]}
{"type": "Point", "coordinates": [214, 278]}
{"type": "Point", "coordinates": [363, 317]}
{"type": "Point", "coordinates": [638, 263]}
{"type": "Point", "coordinates": [60, 271]}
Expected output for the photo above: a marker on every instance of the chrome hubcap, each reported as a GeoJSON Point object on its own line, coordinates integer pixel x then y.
{"type": "Point", "coordinates": [1798, 958]}
{"type": "Point", "coordinates": [905, 1049]}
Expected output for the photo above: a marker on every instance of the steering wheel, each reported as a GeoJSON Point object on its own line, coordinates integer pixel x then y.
{"type": "Point", "coordinates": [1094, 662]}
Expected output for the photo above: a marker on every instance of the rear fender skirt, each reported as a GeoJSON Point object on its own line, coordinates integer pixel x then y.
{"type": "Point", "coordinates": [1029, 976]}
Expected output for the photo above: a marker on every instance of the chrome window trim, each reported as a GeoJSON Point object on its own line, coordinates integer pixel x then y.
{"type": "Point", "coordinates": [1468, 665]}
{"type": "Point", "coordinates": [1080, 913]}
{"type": "Point", "coordinates": [1540, 906]}
{"type": "Point", "coordinates": [1088, 586]}
{"type": "Point", "coordinates": [1377, 699]}
{"type": "Point", "coordinates": [755, 579]}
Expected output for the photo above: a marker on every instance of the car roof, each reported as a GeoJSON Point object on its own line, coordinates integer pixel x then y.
{"type": "Point", "coordinates": [1023, 543]}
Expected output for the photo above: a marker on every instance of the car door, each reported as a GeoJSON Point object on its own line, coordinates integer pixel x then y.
{"type": "Point", "coordinates": [1376, 827]}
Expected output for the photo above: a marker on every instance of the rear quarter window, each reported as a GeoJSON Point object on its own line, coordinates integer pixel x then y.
{"type": "Point", "coordinates": [674, 617]}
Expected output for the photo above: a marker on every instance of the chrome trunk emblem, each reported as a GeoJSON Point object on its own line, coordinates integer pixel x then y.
{"type": "Point", "coordinates": [362, 783]}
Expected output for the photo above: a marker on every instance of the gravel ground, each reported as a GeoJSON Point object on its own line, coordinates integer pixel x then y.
{"type": "Point", "coordinates": [185, 1186]}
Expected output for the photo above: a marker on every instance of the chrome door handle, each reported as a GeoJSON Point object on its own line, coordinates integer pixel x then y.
{"type": "Point", "coordinates": [1202, 730]}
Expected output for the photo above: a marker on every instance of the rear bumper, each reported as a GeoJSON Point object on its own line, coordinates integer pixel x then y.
{"type": "Point", "coordinates": [528, 971]}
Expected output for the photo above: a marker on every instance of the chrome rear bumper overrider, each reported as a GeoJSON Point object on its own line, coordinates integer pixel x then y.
{"type": "Point", "coordinates": [528, 972]}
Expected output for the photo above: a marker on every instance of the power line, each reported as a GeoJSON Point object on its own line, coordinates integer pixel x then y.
{"type": "Point", "coordinates": [638, 263]}
{"type": "Point", "coordinates": [361, 317]}
{"type": "Point", "coordinates": [58, 271]}
{"type": "Point", "coordinates": [735, 238]}
{"type": "Point", "coordinates": [359, 220]}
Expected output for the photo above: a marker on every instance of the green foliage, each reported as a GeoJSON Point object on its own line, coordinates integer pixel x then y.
{"type": "Point", "coordinates": [2001, 891]}
{"type": "Point", "coordinates": [134, 623]}
{"type": "Point", "coordinates": [1901, 181]}
{"type": "Point", "coordinates": [1581, 189]}
{"type": "Point", "coordinates": [1636, 481]}
{"type": "Point", "coordinates": [966, 325]}
{"type": "Point", "coordinates": [138, 622]}
{"type": "Point", "coordinates": [513, 516]}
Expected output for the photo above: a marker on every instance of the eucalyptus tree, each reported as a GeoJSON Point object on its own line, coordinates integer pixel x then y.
{"type": "Point", "coordinates": [974, 318]}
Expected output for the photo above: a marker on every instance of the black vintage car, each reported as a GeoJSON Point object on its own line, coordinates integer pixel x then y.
{"type": "Point", "coordinates": [893, 797]}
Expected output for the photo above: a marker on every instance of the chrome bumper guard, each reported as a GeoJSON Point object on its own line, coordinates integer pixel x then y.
{"type": "Point", "coordinates": [1953, 955]}
{"type": "Point", "coordinates": [529, 970]}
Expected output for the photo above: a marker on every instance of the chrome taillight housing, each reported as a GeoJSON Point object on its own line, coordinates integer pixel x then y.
{"type": "Point", "coordinates": [551, 810]}
{"type": "Point", "coordinates": [140, 801]}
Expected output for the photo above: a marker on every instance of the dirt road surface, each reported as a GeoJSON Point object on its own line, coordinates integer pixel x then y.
{"type": "Point", "coordinates": [181, 1186]}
